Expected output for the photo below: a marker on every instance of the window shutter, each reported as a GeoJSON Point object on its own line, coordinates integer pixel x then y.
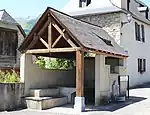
{"type": "Point", "coordinates": [143, 33]}
{"type": "Point", "coordinates": [144, 64]}
{"type": "Point", "coordinates": [139, 33]}
{"type": "Point", "coordinates": [138, 65]}
{"type": "Point", "coordinates": [136, 30]}
{"type": "Point", "coordinates": [1, 44]}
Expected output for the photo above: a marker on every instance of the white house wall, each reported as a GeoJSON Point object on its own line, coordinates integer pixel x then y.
{"type": "Point", "coordinates": [136, 49]}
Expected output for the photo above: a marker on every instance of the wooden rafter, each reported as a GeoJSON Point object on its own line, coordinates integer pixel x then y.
{"type": "Point", "coordinates": [33, 42]}
{"type": "Point", "coordinates": [50, 32]}
{"type": "Point", "coordinates": [44, 42]}
{"type": "Point", "coordinates": [57, 40]}
{"type": "Point", "coordinates": [65, 35]}
{"type": "Point", "coordinates": [44, 28]}
{"type": "Point", "coordinates": [53, 50]}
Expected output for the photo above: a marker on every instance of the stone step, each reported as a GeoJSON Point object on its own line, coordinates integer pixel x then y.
{"type": "Point", "coordinates": [44, 92]}
{"type": "Point", "coordinates": [42, 103]}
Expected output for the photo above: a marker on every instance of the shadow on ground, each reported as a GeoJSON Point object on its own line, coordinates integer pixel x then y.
{"type": "Point", "coordinates": [116, 106]}
{"type": "Point", "coordinates": [145, 85]}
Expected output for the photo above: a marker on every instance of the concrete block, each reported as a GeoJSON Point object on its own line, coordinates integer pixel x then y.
{"type": "Point", "coordinates": [67, 92]}
{"type": "Point", "coordinates": [44, 92]}
{"type": "Point", "coordinates": [79, 105]}
{"type": "Point", "coordinates": [41, 103]}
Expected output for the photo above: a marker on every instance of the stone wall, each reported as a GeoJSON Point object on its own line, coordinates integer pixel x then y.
{"type": "Point", "coordinates": [110, 22]}
{"type": "Point", "coordinates": [10, 96]}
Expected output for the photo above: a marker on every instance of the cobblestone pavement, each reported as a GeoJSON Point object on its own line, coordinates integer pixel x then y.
{"type": "Point", "coordinates": [138, 104]}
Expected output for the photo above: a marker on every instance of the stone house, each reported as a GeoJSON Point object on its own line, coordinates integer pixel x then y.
{"type": "Point", "coordinates": [11, 36]}
{"type": "Point", "coordinates": [132, 36]}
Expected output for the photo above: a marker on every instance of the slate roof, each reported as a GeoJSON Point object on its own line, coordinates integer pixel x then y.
{"type": "Point", "coordinates": [92, 11]}
{"type": "Point", "coordinates": [89, 36]}
{"type": "Point", "coordinates": [4, 16]}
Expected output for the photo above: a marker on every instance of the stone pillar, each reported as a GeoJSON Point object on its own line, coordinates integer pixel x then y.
{"type": "Point", "coordinates": [99, 77]}
{"type": "Point", "coordinates": [25, 67]}
{"type": "Point", "coordinates": [79, 99]}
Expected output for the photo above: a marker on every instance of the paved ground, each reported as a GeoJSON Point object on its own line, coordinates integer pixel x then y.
{"type": "Point", "coordinates": [138, 104]}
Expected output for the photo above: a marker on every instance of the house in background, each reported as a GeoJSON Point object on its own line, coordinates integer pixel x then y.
{"type": "Point", "coordinates": [11, 36]}
{"type": "Point", "coordinates": [133, 36]}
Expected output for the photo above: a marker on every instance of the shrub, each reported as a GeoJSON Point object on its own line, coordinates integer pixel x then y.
{"type": "Point", "coordinates": [54, 64]}
{"type": "Point", "coordinates": [9, 77]}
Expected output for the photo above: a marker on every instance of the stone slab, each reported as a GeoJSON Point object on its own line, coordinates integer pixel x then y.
{"type": "Point", "coordinates": [44, 92]}
{"type": "Point", "coordinates": [42, 103]}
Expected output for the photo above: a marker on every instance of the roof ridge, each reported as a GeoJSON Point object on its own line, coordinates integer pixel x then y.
{"type": "Point", "coordinates": [73, 17]}
{"type": "Point", "coordinates": [2, 10]}
{"type": "Point", "coordinates": [7, 17]}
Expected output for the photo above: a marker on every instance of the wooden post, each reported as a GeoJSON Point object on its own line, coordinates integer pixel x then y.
{"type": "Point", "coordinates": [79, 73]}
{"type": "Point", "coordinates": [79, 99]}
{"type": "Point", "coordinates": [50, 32]}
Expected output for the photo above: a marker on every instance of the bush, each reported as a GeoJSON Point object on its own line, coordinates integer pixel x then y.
{"type": "Point", "coordinates": [54, 64]}
{"type": "Point", "coordinates": [9, 77]}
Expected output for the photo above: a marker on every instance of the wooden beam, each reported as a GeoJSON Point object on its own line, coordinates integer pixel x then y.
{"type": "Point", "coordinates": [53, 50]}
{"type": "Point", "coordinates": [50, 32]}
{"type": "Point", "coordinates": [36, 51]}
{"type": "Point", "coordinates": [105, 53]}
{"type": "Point", "coordinates": [32, 43]}
{"type": "Point", "coordinates": [65, 35]}
{"type": "Point", "coordinates": [44, 42]}
{"type": "Point", "coordinates": [57, 40]}
{"type": "Point", "coordinates": [67, 38]}
{"type": "Point", "coordinates": [43, 28]}
{"type": "Point", "coordinates": [70, 33]}
{"type": "Point", "coordinates": [79, 74]}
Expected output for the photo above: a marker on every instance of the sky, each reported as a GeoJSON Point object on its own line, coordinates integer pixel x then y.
{"type": "Point", "coordinates": [33, 8]}
{"type": "Point", "coordinates": [25, 8]}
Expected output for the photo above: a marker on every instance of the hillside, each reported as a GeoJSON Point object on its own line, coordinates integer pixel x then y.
{"type": "Point", "coordinates": [27, 23]}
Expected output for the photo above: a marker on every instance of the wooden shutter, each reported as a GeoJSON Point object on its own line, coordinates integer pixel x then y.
{"type": "Point", "coordinates": [143, 33]}
{"type": "Point", "coordinates": [138, 65]}
{"type": "Point", "coordinates": [1, 44]}
{"type": "Point", "coordinates": [144, 64]}
{"type": "Point", "coordinates": [136, 31]}
{"type": "Point", "coordinates": [14, 44]}
{"type": "Point", "coordinates": [139, 33]}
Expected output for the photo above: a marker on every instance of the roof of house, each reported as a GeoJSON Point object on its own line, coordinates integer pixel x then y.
{"type": "Point", "coordinates": [91, 37]}
{"type": "Point", "coordinates": [87, 11]}
{"type": "Point", "coordinates": [4, 16]}
{"type": "Point", "coordinates": [100, 7]}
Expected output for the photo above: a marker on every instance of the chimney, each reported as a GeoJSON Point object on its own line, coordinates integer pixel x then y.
{"type": "Point", "coordinates": [84, 3]}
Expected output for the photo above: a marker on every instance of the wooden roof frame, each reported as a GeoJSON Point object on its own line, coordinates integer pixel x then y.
{"type": "Point", "coordinates": [65, 33]}
{"type": "Point", "coordinates": [49, 45]}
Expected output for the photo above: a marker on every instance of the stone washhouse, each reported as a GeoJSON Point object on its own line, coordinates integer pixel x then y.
{"type": "Point", "coordinates": [59, 35]}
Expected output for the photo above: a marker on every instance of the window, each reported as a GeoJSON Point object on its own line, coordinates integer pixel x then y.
{"type": "Point", "coordinates": [139, 32]}
{"type": "Point", "coordinates": [107, 42]}
{"type": "Point", "coordinates": [84, 3]}
{"type": "Point", "coordinates": [8, 42]}
{"type": "Point", "coordinates": [146, 13]}
{"type": "Point", "coordinates": [141, 65]}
